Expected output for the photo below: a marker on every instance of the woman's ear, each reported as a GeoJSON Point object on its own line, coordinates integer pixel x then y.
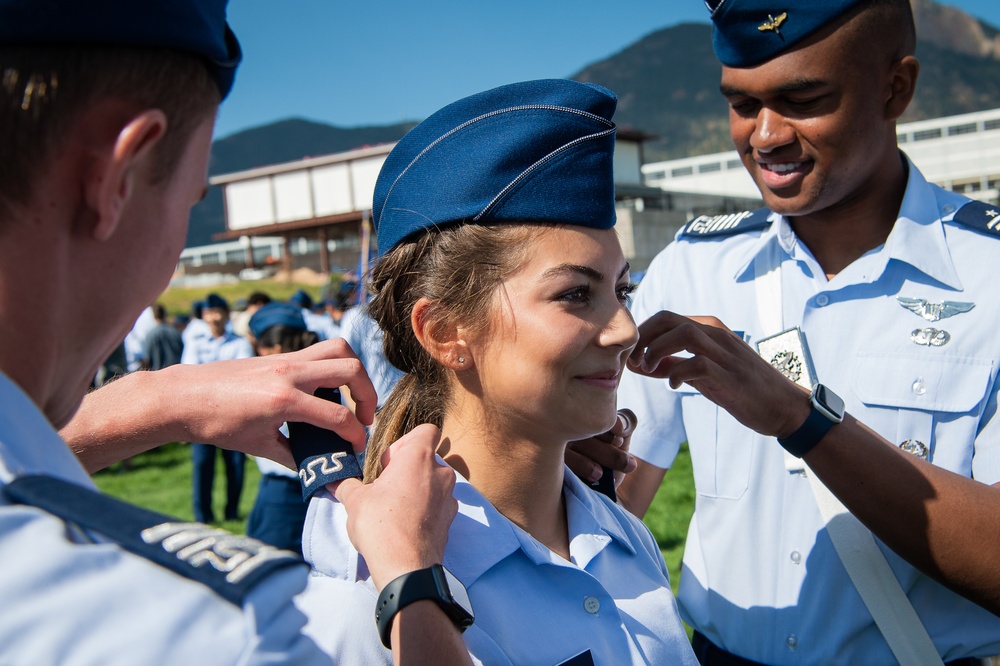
{"type": "Point", "coordinates": [442, 340]}
{"type": "Point", "coordinates": [111, 180]}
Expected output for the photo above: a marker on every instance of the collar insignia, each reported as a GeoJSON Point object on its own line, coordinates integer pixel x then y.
{"type": "Point", "coordinates": [773, 23]}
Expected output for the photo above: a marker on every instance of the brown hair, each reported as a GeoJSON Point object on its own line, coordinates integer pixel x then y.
{"type": "Point", "coordinates": [459, 269]}
{"type": "Point", "coordinates": [43, 90]}
{"type": "Point", "coordinates": [289, 338]}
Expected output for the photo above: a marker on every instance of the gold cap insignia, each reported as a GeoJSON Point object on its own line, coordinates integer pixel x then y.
{"type": "Point", "coordinates": [773, 23]}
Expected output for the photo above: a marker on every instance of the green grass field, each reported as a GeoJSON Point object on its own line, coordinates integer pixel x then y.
{"type": "Point", "coordinates": [161, 480]}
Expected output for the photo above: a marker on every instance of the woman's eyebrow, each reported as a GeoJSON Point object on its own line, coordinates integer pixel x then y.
{"type": "Point", "coordinates": [586, 271]}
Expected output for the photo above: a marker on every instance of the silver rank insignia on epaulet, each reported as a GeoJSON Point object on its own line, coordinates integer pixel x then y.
{"type": "Point", "coordinates": [726, 224]}
{"type": "Point", "coordinates": [980, 217]}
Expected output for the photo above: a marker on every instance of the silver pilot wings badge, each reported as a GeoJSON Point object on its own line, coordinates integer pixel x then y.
{"type": "Point", "coordinates": [934, 311]}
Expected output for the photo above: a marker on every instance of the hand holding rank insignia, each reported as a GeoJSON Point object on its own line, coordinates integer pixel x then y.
{"type": "Point", "coordinates": [724, 368]}
{"type": "Point", "coordinates": [788, 354]}
{"type": "Point", "coordinates": [321, 455]}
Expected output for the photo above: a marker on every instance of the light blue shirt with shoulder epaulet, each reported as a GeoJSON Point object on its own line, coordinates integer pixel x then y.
{"type": "Point", "coordinates": [610, 604]}
{"type": "Point", "coordinates": [72, 596]}
{"type": "Point", "coordinates": [761, 578]}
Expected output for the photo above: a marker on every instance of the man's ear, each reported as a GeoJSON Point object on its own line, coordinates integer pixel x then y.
{"type": "Point", "coordinates": [111, 180]}
{"type": "Point", "coordinates": [902, 84]}
{"type": "Point", "coordinates": [443, 341]}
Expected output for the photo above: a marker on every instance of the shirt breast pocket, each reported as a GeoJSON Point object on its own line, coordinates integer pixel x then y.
{"type": "Point", "coordinates": [721, 448]}
{"type": "Point", "coordinates": [906, 395]}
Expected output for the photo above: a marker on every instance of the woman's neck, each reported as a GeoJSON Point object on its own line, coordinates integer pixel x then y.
{"type": "Point", "coordinates": [520, 476]}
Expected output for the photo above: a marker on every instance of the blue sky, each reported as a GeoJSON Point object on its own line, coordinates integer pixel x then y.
{"type": "Point", "coordinates": [385, 61]}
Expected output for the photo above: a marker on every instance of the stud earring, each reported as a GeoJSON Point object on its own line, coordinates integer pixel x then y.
{"type": "Point", "coordinates": [461, 359]}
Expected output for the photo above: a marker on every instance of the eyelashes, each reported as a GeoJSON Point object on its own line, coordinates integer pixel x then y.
{"type": "Point", "coordinates": [584, 293]}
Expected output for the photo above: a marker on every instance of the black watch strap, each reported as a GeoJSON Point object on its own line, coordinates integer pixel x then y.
{"type": "Point", "coordinates": [434, 583]}
{"type": "Point", "coordinates": [827, 410]}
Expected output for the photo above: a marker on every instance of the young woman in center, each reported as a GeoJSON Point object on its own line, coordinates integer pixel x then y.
{"type": "Point", "coordinates": [502, 291]}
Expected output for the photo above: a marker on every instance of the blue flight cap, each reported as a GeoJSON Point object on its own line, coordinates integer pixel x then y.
{"type": "Point", "coordinates": [302, 299]}
{"type": "Point", "coordinates": [746, 33]}
{"type": "Point", "coordinates": [216, 301]}
{"type": "Point", "coordinates": [537, 151]}
{"type": "Point", "coordinates": [274, 314]}
{"type": "Point", "coordinates": [197, 26]}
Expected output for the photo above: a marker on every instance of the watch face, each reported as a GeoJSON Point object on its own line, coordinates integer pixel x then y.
{"type": "Point", "coordinates": [830, 402]}
{"type": "Point", "coordinates": [456, 590]}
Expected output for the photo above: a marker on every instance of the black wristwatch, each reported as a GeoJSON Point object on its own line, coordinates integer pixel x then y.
{"type": "Point", "coordinates": [827, 411]}
{"type": "Point", "coordinates": [435, 583]}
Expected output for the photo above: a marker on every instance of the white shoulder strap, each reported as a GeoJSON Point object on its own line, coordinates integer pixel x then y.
{"type": "Point", "coordinates": [872, 577]}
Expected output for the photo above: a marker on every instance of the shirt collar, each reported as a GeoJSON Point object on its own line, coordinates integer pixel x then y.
{"type": "Point", "coordinates": [487, 537]}
{"type": "Point", "coordinates": [28, 442]}
{"type": "Point", "coordinates": [917, 238]}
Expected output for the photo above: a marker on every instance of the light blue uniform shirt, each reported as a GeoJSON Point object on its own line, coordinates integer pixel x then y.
{"type": "Point", "coordinates": [69, 597]}
{"type": "Point", "coordinates": [761, 578]}
{"type": "Point", "coordinates": [364, 336]}
{"type": "Point", "coordinates": [227, 347]}
{"type": "Point", "coordinates": [531, 606]}
{"type": "Point", "coordinates": [322, 325]}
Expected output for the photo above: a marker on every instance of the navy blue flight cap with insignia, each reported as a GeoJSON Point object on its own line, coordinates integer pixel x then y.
{"type": "Point", "coordinates": [275, 314]}
{"type": "Point", "coordinates": [746, 33]}
{"type": "Point", "coordinates": [536, 151]}
{"type": "Point", "coordinates": [196, 26]}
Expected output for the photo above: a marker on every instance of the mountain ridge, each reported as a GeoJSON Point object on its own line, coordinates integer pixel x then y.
{"type": "Point", "coordinates": [667, 83]}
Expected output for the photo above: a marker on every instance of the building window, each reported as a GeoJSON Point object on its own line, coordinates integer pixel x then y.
{"type": "Point", "coordinates": [682, 171]}
{"type": "Point", "coordinates": [991, 124]}
{"type": "Point", "coordinates": [967, 128]}
{"type": "Point", "coordinates": [923, 135]}
{"type": "Point", "coordinates": [734, 164]}
{"type": "Point", "coordinates": [656, 175]}
{"type": "Point", "coordinates": [902, 138]}
{"type": "Point", "coordinates": [708, 168]}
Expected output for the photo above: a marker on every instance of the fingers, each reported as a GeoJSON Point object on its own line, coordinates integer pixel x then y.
{"type": "Point", "coordinates": [421, 441]}
{"type": "Point", "coordinates": [331, 416]}
{"type": "Point", "coordinates": [583, 466]}
{"type": "Point", "coordinates": [332, 363]}
{"type": "Point", "coordinates": [586, 457]}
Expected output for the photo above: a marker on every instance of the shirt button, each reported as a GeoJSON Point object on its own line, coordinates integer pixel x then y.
{"type": "Point", "coordinates": [792, 642]}
{"type": "Point", "coordinates": [822, 300]}
{"type": "Point", "coordinates": [796, 557]}
{"type": "Point", "coordinates": [591, 605]}
{"type": "Point", "coordinates": [919, 387]}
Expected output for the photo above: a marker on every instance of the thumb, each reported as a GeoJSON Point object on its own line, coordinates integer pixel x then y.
{"type": "Point", "coordinates": [345, 490]}
{"type": "Point", "coordinates": [628, 421]}
{"type": "Point", "coordinates": [425, 435]}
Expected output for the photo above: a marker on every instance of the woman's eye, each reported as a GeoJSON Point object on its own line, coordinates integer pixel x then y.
{"type": "Point", "coordinates": [625, 292]}
{"type": "Point", "coordinates": [576, 295]}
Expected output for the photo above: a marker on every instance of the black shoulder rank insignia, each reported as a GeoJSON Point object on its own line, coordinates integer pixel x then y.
{"type": "Point", "coordinates": [724, 225]}
{"type": "Point", "coordinates": [228, 563]}
{"type": "Point", "coordinates": [979, 216]}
